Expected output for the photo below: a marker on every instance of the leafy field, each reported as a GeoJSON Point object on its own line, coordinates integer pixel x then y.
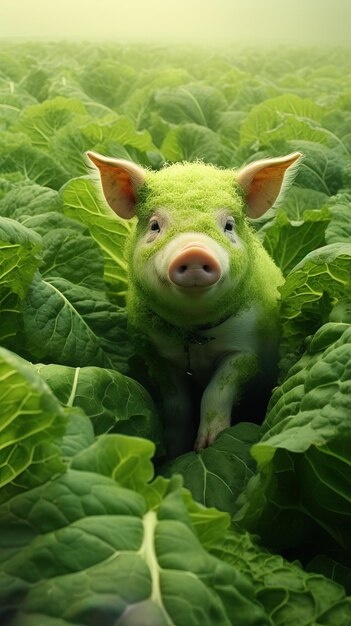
{"type": "Point", "coordinates": [91, 531]}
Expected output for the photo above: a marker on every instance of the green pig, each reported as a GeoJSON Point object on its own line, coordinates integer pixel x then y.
{"type": "Point", "coordinates": [203, 292]}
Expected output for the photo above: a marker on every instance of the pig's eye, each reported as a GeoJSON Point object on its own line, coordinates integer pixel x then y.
{"type": "Point", "coordinates": [154, 225]}
{"type": "Point", "coordinates": [229, 225]}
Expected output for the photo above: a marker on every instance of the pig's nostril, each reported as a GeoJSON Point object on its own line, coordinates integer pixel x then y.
{"type": "Point", "coordinates": [182, 269]}
{"type": "Point", "coordinates": [207, 268]}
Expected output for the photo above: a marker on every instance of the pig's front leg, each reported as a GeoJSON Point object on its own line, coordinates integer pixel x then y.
{"type": "Point", "coordinates": [221, 393]}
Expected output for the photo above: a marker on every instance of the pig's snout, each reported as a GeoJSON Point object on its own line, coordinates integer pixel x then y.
{"type": "Point", "coordinates": [194, 266]}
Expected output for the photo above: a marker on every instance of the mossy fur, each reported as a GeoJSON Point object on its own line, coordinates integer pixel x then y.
{"type": "Point", "coordinates": [194, 194]}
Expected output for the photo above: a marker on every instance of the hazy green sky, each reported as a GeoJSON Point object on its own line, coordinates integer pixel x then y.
{"type": "Point", "coordinates": [261, 21]}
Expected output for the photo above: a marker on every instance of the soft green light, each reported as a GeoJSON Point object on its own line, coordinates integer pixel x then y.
{"type": "Point", "coordinates": [201, 21]}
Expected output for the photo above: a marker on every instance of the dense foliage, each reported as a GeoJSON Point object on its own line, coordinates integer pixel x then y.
{"type": "Point", "coordinates": [89, 533]}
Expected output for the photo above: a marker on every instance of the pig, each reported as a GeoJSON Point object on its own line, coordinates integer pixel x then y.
{"type": "Point", "coordinates": [203, 293]}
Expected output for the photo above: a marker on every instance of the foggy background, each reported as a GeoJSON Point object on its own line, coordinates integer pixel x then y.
{"type": "Point", "coordinates": [301, 22]}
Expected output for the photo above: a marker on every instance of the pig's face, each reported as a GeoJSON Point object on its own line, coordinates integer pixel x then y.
{"type": "Point", "coordinates": [192, 244]}
{"type": "Point", "coordinates": [193, 253]}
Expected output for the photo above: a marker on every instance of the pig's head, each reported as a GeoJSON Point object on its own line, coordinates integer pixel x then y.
{"type": "Point", "coordinates": [193, 252]}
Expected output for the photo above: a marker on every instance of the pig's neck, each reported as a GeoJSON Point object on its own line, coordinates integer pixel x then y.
{"type": "Point", "coordinates": [190, 333]}
{"type": "Point", "coordinates": [192, 329]}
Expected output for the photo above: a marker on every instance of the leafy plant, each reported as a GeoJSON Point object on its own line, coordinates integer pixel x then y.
{"type": "Point", "coordinates": [96, 526]}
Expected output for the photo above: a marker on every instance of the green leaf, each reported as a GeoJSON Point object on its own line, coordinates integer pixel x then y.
{"type": "Point", "coordinates": [299, 199]}
{"type": "Point", "coordinates": [79, 434]}
{"type": "Point", "coordinates": [35, 81]}
{"type": "Point", "coordinates": [288, 241]}
{"type": "Point", "coordinates": [18, 155]}
{"type": "Point", "coordinates": [193, 103]}
{"type": "Point", "coordinates": [288, 115]}
{"type": "Point", "coordinates": [86, 538]}
{"type": "Point", "coordinates": [43, 223]}
{"type": "Point", "coordinates": [74, 325]}
{"type": "Point", "coordinates": [74, 256]}
{"type": "Point", "coordinates": [110, 232]}
{"type": "Point", "coordinates": [112, 401]}
{"type": "Point", "coordinates": [125, 459]}
{"type": "Point", "coordinates": [219, 473]}
{"type": "Point", "coordinates": [228, 127]}
{"type": "Point", "coordinates": [20, 256]}
{"type": "Point", "coordinates": [11, 105]}
{"type": "Point", "coordinates": [303, 456]}
{"type": "Point", "coordinates": [338, 122]}
{"type": "Point", "coordinates": [189, 142]}
{"type": "Point", "coordinates": [310, 291]}
{"type": "Point", "coordinates": [321, 168]}
{"type": "Point", "coordinates": [107, 80]}
{"type": "Point", "coordinates": [120, 131]}
{"type": "Point", "coordinates": [102, 135]}
{"type": "Point", "coordinates": [31, 422]}
{"type": "Point", "coordinates": [341, 312]}
{"type": "Point", "coordinates": [93, 548]}
{"type": "Point", "coordinates": [250, 92]}
{"type": "Point", "coordinates": [336, 568]}
{"type": "Point", "coordinates": [10, 318]}
{"type": "Point", "coordinates": [69, 146]}
{"type": "Point", "coordinates": [209, 524]}
{"type": "Point", "coordinates": [289, 595]}
{"type": "Point", "coordinates": [339, 228]}
{"type": "Point", "coordinates": [28, 199]}
{"type": "Point", "coordinates": [41, 121]}
{"type": "Point", "coordinates": [65, 83]}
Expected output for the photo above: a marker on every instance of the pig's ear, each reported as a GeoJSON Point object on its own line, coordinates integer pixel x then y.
{"type": "Point", "coordinates": [120, 181]}
{"type": "Point", "coordinates": [264, 180]}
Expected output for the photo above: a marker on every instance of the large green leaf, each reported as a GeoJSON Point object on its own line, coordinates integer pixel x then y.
{"type": "Point", "coordinates": [10, 318]}
{"type": "Point", "coordinates": [288, 241]}
{"type": "Point", "coordinates": [120, 130]}
{"type": "Point", "coordinates": [82, 203]}
{"type": "Point", "coordinates": [45, 222]}
{"type": "Point", "coordinates": [41, 121]}
{"type": "Point", "coordinates": [19, 257]}
{"type": "Point", "coordinates": [300, 199]}
{"type": "Point", "coordinates": [101, 553]}
{"type": "Point", "coordinates": [189, 142]}
{"type": "Point", "coordinates": [112, 401]}
{"type": "Point", "coordinates": [31, 422]}
{"type": "Point", "coordinates": [127, 460]}
{"type": "Point", "coordinates": [108, 135]}
{"type": "Point", "coordinates": [28, 199]}
{"type": "Point", "coordinates": [85, 544]}
{"type": "Point", "coordinates": [303, 480]}
{"type": "Point", "coordinates": [11, 104]}
{"type": "Point", "coordinates": [193, 103]}
{"type": "Point", "coordinates": [338, 122]}
{"type": "Point", "coordinates": [74, 256]}
{"type": "Point", "coordinates": [322, 167]}
{"type": "Point", "coordinates": [73, 325]}
{"type": "Point", "coordinates": [335, 567]}
{"type": "Point", "coordinates": [289, 595]}
{"type": "Point", "coordinates": [287, 117]}
{"type": "Point", "coordinates": [18, 155]}
{"type": "Point", "coordinates": [339, 228]}
{"type": "Point", "coordinates": [79, 434]}
{"type": "Point", "coordinates": [106, 80]}
{"type": "Point", "coordinates": [228, 127]}
{"type": "Point", "coordinates": [311, 289]}
{"type": "Point", "coordinates": [218, 474]}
